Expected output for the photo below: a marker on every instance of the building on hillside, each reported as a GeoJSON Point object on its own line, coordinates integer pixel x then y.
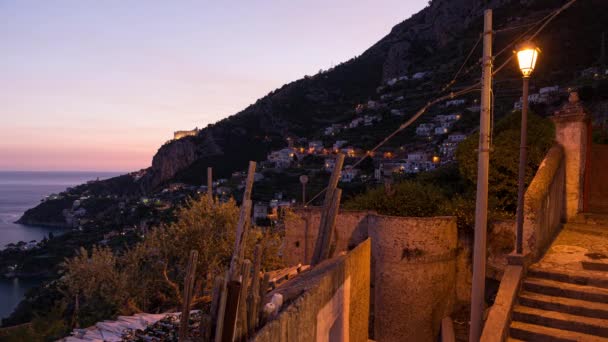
{"type": "Point", "coordinates": [338, 145]}
{"type": "Point", "coordinates": [258, 177]}
{"type": "Point", "coordinates": [349, 151]}
{"type": "Point", "coordinates": [260, 211]}
{"type": "Point", "coordinates": [397, 112]}
{"type": "Point", "coordinates": [182, 134]}
{"type": "Point", "coordinates": [457, 102]}
{"type": "Point", "coordinates": [315, 146]}
{"type": "Point", "coordinates": [348, 174]}
{"type": "Point", "coordinates": [456, 137]}
{"type": "Point", "coordinates": [441, 129]}
{"type": "Point", "coordinates": [421, 75]}
{"type": "Point", "coordinates": [549, 90]}
{"type": "Point", "coordinates": [281, 159]}
{"type": "Point", "coordinates": [329, 164]}
{"type": "Point", "coordinates": [332, 130]}
{"type": "Point", "coordinates": [418, 156]}
{"type": "Point", "coordinates": [474, 108]}
{"type": "Point", "coordinates": [425, 129]}
{"type": "Point", "coordinates": [360, 108]}
{"type": "Point", "coordinates": [369, 120]}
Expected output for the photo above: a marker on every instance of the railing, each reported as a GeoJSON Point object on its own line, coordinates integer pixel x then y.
{"type": "Point", "coordinates": [543, 216]}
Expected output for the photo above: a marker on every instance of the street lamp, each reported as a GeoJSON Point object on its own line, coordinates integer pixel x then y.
{"type": "Point", "coordinates": [527, 55]}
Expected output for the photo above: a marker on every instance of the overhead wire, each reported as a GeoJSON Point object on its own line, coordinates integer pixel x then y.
{"type": "Point", "coordinates": [544, 22]}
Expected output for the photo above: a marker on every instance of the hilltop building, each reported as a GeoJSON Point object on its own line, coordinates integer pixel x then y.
{"type": "Point", "coordinates": [182, 134]}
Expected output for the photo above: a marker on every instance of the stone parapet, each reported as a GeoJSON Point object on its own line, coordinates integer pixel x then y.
{"type": "Point", "coordinates": [332, 302]}
{"type": "Point", "coordinates": [572, 133]}
{"type": "Point", "coordinates": [544, 203]}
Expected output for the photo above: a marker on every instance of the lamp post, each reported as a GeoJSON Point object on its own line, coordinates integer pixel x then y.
{"type": "Point", "coordinates": [527, 54]}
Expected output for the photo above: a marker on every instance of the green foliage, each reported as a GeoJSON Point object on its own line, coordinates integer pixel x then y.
{"type": "Point", "coordinates": [95, 285]}
{"type": "Point", "coordinates": [504, 158]}
{"type": "Point", "coordinates": [149, 276]}
{"type": "Point", "coordinates": [408, 198]}
{"type": "Point", "coordinates": [42, 329]}
{"type": "Point", "coordinates": [450, 190]}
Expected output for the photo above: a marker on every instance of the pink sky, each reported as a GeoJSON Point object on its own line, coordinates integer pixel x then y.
{"type": "Point", "coordinates": [100, 86]}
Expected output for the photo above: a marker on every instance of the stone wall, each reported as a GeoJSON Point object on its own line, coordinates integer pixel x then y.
{"type": "Point", "coordinates": [414, 271]}
{"type": "Point", "coordinates": [333, 305]}
{"type": "Point", "coordinates": [303, 227]}
{"type": "Point", "coordinates": [544, 203]}
{"type": "Point", "coordinates": [419, 267]}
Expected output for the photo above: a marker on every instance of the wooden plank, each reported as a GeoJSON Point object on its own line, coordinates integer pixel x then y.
{"type": "Point", "coordinates": [210, 183]}
{"type": "Point", "coordinates": [254, 293]}
{"type": "Point", "coordinates": [329, 194]}
{"type": "Point", "coordinates": [330, 226]}
{"type": "Point", "coordinates": [187, 295]}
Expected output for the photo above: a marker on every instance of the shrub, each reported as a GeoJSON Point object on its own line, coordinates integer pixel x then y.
{"type": "Point", "coordinates": [504, 158]}
{"type": "Point", "coordinates": [149, 276]}
{"type": "Point", "coordinates": [408, 198]}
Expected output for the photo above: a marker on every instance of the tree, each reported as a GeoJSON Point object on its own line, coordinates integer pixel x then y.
{"type": "Point", "coordinates": [149, 276]}
{"type": "Point", "coordinates": [504, 159]}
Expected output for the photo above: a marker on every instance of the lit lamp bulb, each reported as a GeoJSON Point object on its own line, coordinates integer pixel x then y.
{"type": "Point", "coordinates": [527, 54]}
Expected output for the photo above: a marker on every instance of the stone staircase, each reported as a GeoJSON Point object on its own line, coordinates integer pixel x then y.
{"type": "Point", "coordinates": [564, 297]}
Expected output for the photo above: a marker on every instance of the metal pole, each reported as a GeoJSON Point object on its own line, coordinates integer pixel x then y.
{"type": "Point", "coordinates": [523, 161]}
{"type": "Point", "coordinates": [304, 194]}
{"type": "Point", "coordinates": [481, 207]}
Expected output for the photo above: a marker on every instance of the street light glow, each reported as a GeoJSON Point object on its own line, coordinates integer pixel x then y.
{"type": "Point", "coordinates": [527, 54]}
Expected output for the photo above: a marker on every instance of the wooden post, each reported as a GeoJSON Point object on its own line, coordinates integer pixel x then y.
{"type": "Point", "coordinates": [210, 183]}
{"type": "Point", "coordinates": [243, 223]}
{"type": "Point", "coordinates": [221, 311]}
{"type": "Point", "coordinates": [226, 322]}
{"type": "Point", "coordinates": [209, 327]}
{"type": "Point", "coordinates": [232, 304]}
{"type": "Point", "coordinates": [263, 291]}
{"type": "Point", "coordinates": [330, 223]}
{"type": "Point", "coordinates": [254, 292]}
{"type": "Point", "coordinates": [329, 194]}
{"type": "Point", "coordinates": [187, 295]}
{"type": "Point", "coordinates": [242, 315]}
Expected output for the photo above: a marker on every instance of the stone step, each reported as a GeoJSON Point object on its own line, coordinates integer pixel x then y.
{"type": "Point", "coordinates": [591, 218]}
{"type": "Point", "coordinates": [595, 265]}
{"type": "Point", "coordinates": [561, 289]}
{"type": "Point", "coordinates": [588, 228]}
{"type": "Point", "coordinates": [560, 320]}
{"type": "Point", "coordinates": [574, 277]}
{"type": "Point", "coordinates": [566, 305]}
{"type": "Point", "coordinates": [533, 332]}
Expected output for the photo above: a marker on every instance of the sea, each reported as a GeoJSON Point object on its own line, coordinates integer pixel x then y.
{"type": "Point", "coordinates": [20, 191]}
